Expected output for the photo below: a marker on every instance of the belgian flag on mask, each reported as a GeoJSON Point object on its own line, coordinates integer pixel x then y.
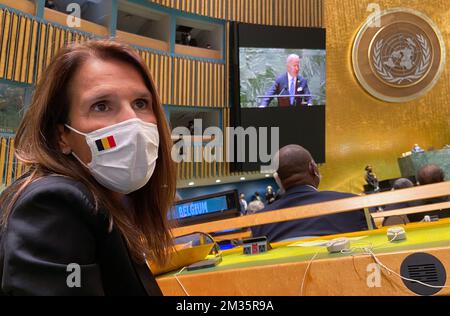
{"type": "Point", "coordinates": [105, 143]}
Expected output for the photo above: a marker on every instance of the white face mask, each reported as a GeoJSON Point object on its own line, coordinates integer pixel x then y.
{"type": "Point", "coordinates": [123, 155]}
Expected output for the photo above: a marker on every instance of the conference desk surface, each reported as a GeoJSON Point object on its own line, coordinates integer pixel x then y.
{"type": "Point", "coordinates": [289, 265]}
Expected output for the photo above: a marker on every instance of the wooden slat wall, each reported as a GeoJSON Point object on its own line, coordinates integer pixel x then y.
{"type": "Point", "coordinates": [10, 167]}
{"type": "Point", "coordinates": [198, 83]}
{"type": "Point", "coordinates": [306, 13]}
{"type": "Point", "coordinates": [17, 46]}
{"type": "Point", "coordinates": [52, 38]}
{"type": "Point", "coordinates": [160, 67]}
{"type": "Point", "coordinates": [211, 8]}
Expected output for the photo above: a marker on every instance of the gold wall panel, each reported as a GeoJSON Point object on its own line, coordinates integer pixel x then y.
{"type": "Point", "coordinates": [362, 130]}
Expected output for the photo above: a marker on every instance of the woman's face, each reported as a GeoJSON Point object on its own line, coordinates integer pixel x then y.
{"type": "Point", "coordinates": [103, 93]}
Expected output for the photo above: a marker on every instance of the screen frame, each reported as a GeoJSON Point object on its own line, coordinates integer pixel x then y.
{"type": "Point", "coordinates": [262, 36]}
{"type": "Point", "coordinates": [268, 36]}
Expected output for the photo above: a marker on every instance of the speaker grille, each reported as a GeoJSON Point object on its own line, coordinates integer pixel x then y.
{"type": "Point", "coordinates": [425, 268]}
{"type": "Point", "coordinates": [426, 273]}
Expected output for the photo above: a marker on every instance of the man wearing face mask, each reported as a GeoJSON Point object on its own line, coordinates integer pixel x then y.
{"type": "Point", "coordinates": [298, 176]}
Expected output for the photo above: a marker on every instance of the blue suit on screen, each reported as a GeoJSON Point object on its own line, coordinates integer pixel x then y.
{"type": "Point", "coordinates": [281, 87]}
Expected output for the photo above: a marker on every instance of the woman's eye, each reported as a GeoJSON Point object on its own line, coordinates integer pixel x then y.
{"type": "Point", "coordinates": [100, 107]}
{"type": "Point", "coordinates": [141, 104]}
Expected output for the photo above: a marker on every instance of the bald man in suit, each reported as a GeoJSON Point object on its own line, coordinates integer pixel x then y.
{"type": "Point", "coordinates": [299, 176]}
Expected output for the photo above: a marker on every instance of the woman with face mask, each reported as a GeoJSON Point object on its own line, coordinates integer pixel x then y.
{"type": "Point", "coordinates": [93, 206]}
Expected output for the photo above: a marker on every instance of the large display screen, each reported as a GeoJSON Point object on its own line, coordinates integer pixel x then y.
{"type": "Point", "coordinates": [278, 80]}
{"type": "Point", "coordinates": [263, 73]}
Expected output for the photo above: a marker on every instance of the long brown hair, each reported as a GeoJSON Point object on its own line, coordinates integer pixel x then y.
{"type": "Point", "coordinates": [146, 227]}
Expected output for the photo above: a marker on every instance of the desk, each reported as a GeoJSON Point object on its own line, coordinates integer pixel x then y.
{"type": "Point", "coordinates": [281, 271]}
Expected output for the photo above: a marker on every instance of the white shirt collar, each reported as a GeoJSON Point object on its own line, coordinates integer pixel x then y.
{"type": "Point", "coordinates": [315, 189]}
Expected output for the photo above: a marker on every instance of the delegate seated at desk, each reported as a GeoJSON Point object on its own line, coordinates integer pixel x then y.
{"type": "Point", "coordinates": [299, 176]}
{"type": "Point", "coordinates": [290, 83]}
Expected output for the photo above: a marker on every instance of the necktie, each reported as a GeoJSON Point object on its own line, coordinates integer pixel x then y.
{"type": "Point", "coordinates": [292, 91]}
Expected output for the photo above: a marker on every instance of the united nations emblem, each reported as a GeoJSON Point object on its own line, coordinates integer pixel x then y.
{"type": "Point", "coordinates": [401, 57]}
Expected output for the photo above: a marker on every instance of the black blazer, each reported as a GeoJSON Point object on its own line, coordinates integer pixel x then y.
{"type": "Point", "coordinates": [54, 224]}
{"type": "Point", "coordinates": [314, 226]}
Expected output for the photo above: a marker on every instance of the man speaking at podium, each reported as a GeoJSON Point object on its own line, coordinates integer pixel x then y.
{"type": "Point", "coordinates": [290, 83]}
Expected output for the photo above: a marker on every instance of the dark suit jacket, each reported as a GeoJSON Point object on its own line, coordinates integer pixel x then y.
{"type": "Point", "coordinates": [315, 226]}
{"type": "Point", "coordinates": [281, 87]}
{"type": "Point", "coordinates": [54, 224]}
